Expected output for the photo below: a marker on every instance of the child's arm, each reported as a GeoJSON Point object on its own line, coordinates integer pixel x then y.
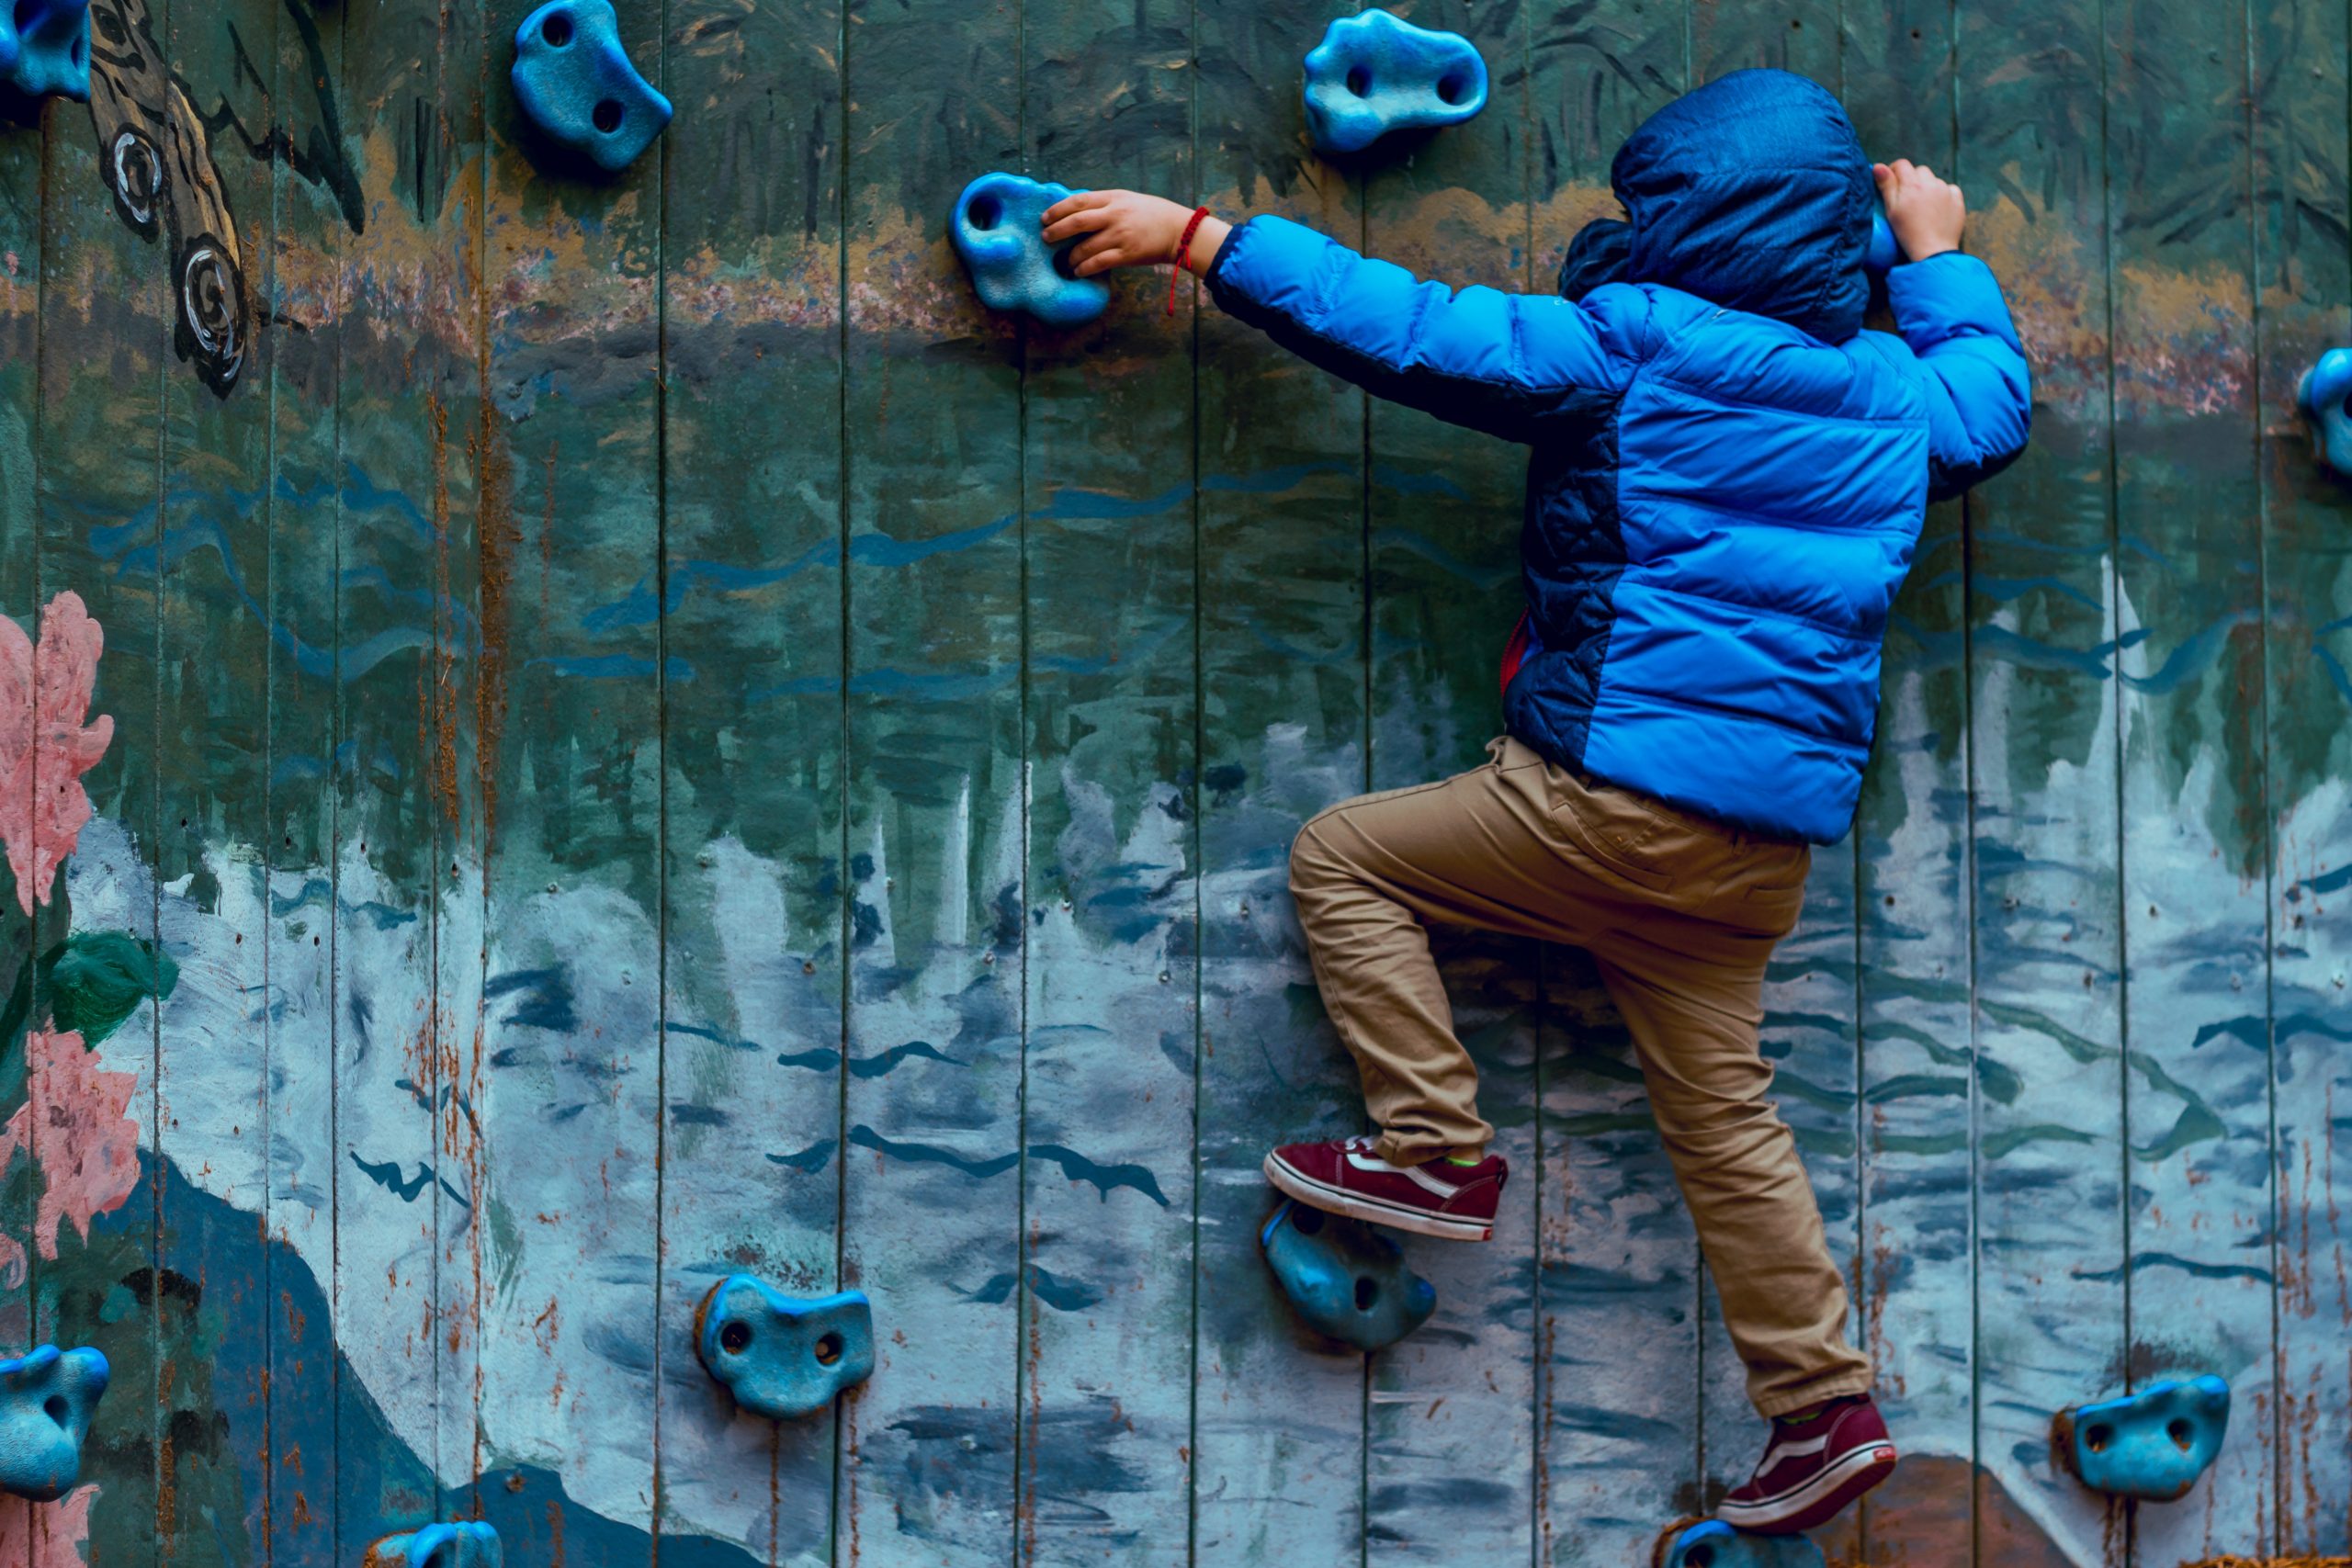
{"type": "Point", "coordinates": [1950, 311]}
{"type": "Point", "coordinates": [1501, 363]}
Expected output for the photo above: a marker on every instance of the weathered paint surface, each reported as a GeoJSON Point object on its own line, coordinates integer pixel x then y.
{"type": "Point", "coordinates": [632, 733]}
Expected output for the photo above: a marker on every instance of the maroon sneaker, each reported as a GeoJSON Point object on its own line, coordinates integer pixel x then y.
{"type": "Point", "coordinates": [1440, 1199]}
{"type": "Point", "coordinates": [1811, 1469]}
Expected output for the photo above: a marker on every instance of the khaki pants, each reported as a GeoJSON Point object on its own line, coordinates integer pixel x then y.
{"type": "Point", "coordinates": [1681, 913]}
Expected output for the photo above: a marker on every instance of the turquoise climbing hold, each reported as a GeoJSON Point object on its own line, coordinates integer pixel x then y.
{"type": "Point", "coordinates": [575, 83]}
{"type": "Point", "coordinates": [2320, 395]}
{"type": "Point", "coordinates": [1883, 254]}
{"type": "Point", "coordinates": [46, 1401]}
{"type": "Point", "coordinates": [1715, 1544]}
{"type": "Point", "coordinates": [998, 231]}
{"type": "Point", "coordinates": [45, 49]}
{"type": "Point", "coordinates": [2151, 1445]}
{"type": "Point", "coordinates": [780, 1355]}
{"type": "Point", "coordinates": [467, 1543]}
{"type": "Point", "coordinates": [1347, 1280]}
{"type": "Point", "coordinates": [1374, 73]}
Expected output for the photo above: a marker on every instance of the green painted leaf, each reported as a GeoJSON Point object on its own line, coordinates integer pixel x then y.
{"type": "Point", "coordinates": [96, 979]}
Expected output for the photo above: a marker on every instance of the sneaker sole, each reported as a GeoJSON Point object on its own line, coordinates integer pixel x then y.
{"type": "Point", "coordinates": [1295, 1183]}
{"type": "Point", "coordinates": [1819, 1501]}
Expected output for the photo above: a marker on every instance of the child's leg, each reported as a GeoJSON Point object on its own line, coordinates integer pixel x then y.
{"type": "Point", "coordinates": [1690, 991]}
{"type": "Point", "coordinates": [1479, 848]}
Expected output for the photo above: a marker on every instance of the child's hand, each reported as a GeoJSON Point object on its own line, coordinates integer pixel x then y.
{"type": "Point", "coordinates": [1126, 227]}
{"type": "Point", "coordinates": [1926, 214]}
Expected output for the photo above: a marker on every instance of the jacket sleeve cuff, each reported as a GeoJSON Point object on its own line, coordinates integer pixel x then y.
{"type": "Point", "coordinates": [1214, 275]}
{"type": "Point", "coordinates": [1949, 293]}
{"type": "Point", "coordinates": [1267, 267]}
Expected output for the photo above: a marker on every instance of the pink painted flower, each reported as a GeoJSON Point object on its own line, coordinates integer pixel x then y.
{"type": "Point", "coordinates": [75, 1122]}
{"type": "Point", "coordinates": [47, 1535]}
{"type": "Point", "coordinates": [45, 747]}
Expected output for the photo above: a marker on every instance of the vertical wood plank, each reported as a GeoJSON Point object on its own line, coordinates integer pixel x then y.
{"type": "Point", "coordinates": [1110, 739]}
{"type": "Point", "coordinates": [103, 292]}
{"type": "Point", "coordinates": [411, 84]}
{"type": "Point", "coordinates": [20, 236]}
{"type": "Point", "coordinates": [472, 548]}
{"type": "Point", "coordinates": [2190, 659]}
{"type": "Point", "coordinates": [934, 858]}
{"type": "Point", "coordinates": [2302, 281]}
{"type": "Point", "coordinates": [1810, 1027]}
{"type": "Point", "coordinates": [1450, 1435]}
{"type": "Point", "coordinates": [1617, 1349]}
{"type": "Point", "coordinates": [1792, 35]}
{"type": "Point", "coordinates": [750, 598]}
{"type": "Point", "coordinates": [2046, 845]}
{"type": "Point", "coordinates": [306, 299]}
{"type": "Point", "coordinates": [568, 742]}
{"type": "Point", "coordinates": [212, 769]}
{"type": "Point", "coordinates": [1279, 1462]}
{"type": "Point", "coordinates": [1916, 976]}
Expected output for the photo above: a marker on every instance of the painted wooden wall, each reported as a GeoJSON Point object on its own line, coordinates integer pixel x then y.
{"type": "Point", "coordinates": [646, 736]}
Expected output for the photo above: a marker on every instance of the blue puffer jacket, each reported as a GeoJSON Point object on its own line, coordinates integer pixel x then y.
{"type": "Point", "coordinates": [1728, 474]}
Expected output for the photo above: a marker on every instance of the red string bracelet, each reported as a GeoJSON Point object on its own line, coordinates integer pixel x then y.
{"type": "Point", "coordinates": [1184, 254]}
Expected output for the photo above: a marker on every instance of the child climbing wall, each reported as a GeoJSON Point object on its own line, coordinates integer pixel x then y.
{"type": "Point", "coordinates": [1726, 482]}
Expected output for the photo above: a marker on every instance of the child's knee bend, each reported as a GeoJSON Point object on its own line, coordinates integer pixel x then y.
{"type": "Point", "coordinates": [1312, 863]}
{"type": "Point", "coordinates": [1315, 862]}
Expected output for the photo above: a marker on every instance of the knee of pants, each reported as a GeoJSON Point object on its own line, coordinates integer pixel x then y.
{"type": "Point", "coordinates": [1313, 863]}
{"type": "Point", "coordinates": [1718, 1120]}
{"type": "Point", "coordinates": [1734, 1149]}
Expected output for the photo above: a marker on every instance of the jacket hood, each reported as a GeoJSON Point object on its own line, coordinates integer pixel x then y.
{"type": "Point", "coordinates": [1751, 193]}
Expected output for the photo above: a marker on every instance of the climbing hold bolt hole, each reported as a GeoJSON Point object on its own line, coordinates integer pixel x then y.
{"type": "Point", "coordinates": [1064, 265]}
{"type": "Point", "coordinates": [1367, 1293]}
{"type": "Point", "coordinates": [2182, 1434]}
{"type": "Point", "coordinates": [1360, 81]}
{"type": "Point", "coordinates": [2096, 1439]}
{"type": "Point", "coordinates": [55, 1407]}
{"type": "Point", "coordinates": [1453, 89]}
{"type": "Point", "coordinates": [829, 1349]}
{"type": "Point", "coordinates": [607, 114]}
{"type": "Point", "coordinates": [736, 1337]}
{"type": "Point", "coordinates": [556, 29]}
{"type": "Point", "coordinates": [1700, 1556]}
{"type": "Point", "coordinates": [983, 213]}
{"type": "Point", "coordinates": [1306, 1221]}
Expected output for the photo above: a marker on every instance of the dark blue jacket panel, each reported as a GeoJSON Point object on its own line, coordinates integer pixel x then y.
{"type": "Point", "coordinates": [1727, 475]}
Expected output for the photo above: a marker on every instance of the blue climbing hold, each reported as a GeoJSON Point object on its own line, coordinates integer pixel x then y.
{"type": "Point", "coordinates": [780, 1355]}
{"type": "Point", "coordinates": [45, 49]}
{"type": "Point", "coordinates": [46, 1401]}
{"type": "Point", "coordinates": [574, 81]}
{"type": "Point", "coordinates": [998, 232]}
{"type": "Point", "coordinates": [468, 1543]}
{"type": "Point", "coordinates": [2151, 1445]}
{"type": "Point", "coordinates": [1374, 73]}
{"type": "Point", "coordinates": [1715, 1544]}
{"type": "Point", "coordinates": [2321, 394]}
{"type": "Point", "coordinates": [1347, 1280]}
{"type": "Point", "coordinates": [1883, 255]}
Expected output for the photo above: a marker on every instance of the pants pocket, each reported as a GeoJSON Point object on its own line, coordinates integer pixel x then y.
{"type": "Point", "coordinates": [1619, 832]}
{"type": "Point", "coordinates": [1777, 899]}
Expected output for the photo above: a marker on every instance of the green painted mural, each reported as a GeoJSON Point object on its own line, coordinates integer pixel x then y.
{"type": "Point", "coordinates": [577, 737]}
